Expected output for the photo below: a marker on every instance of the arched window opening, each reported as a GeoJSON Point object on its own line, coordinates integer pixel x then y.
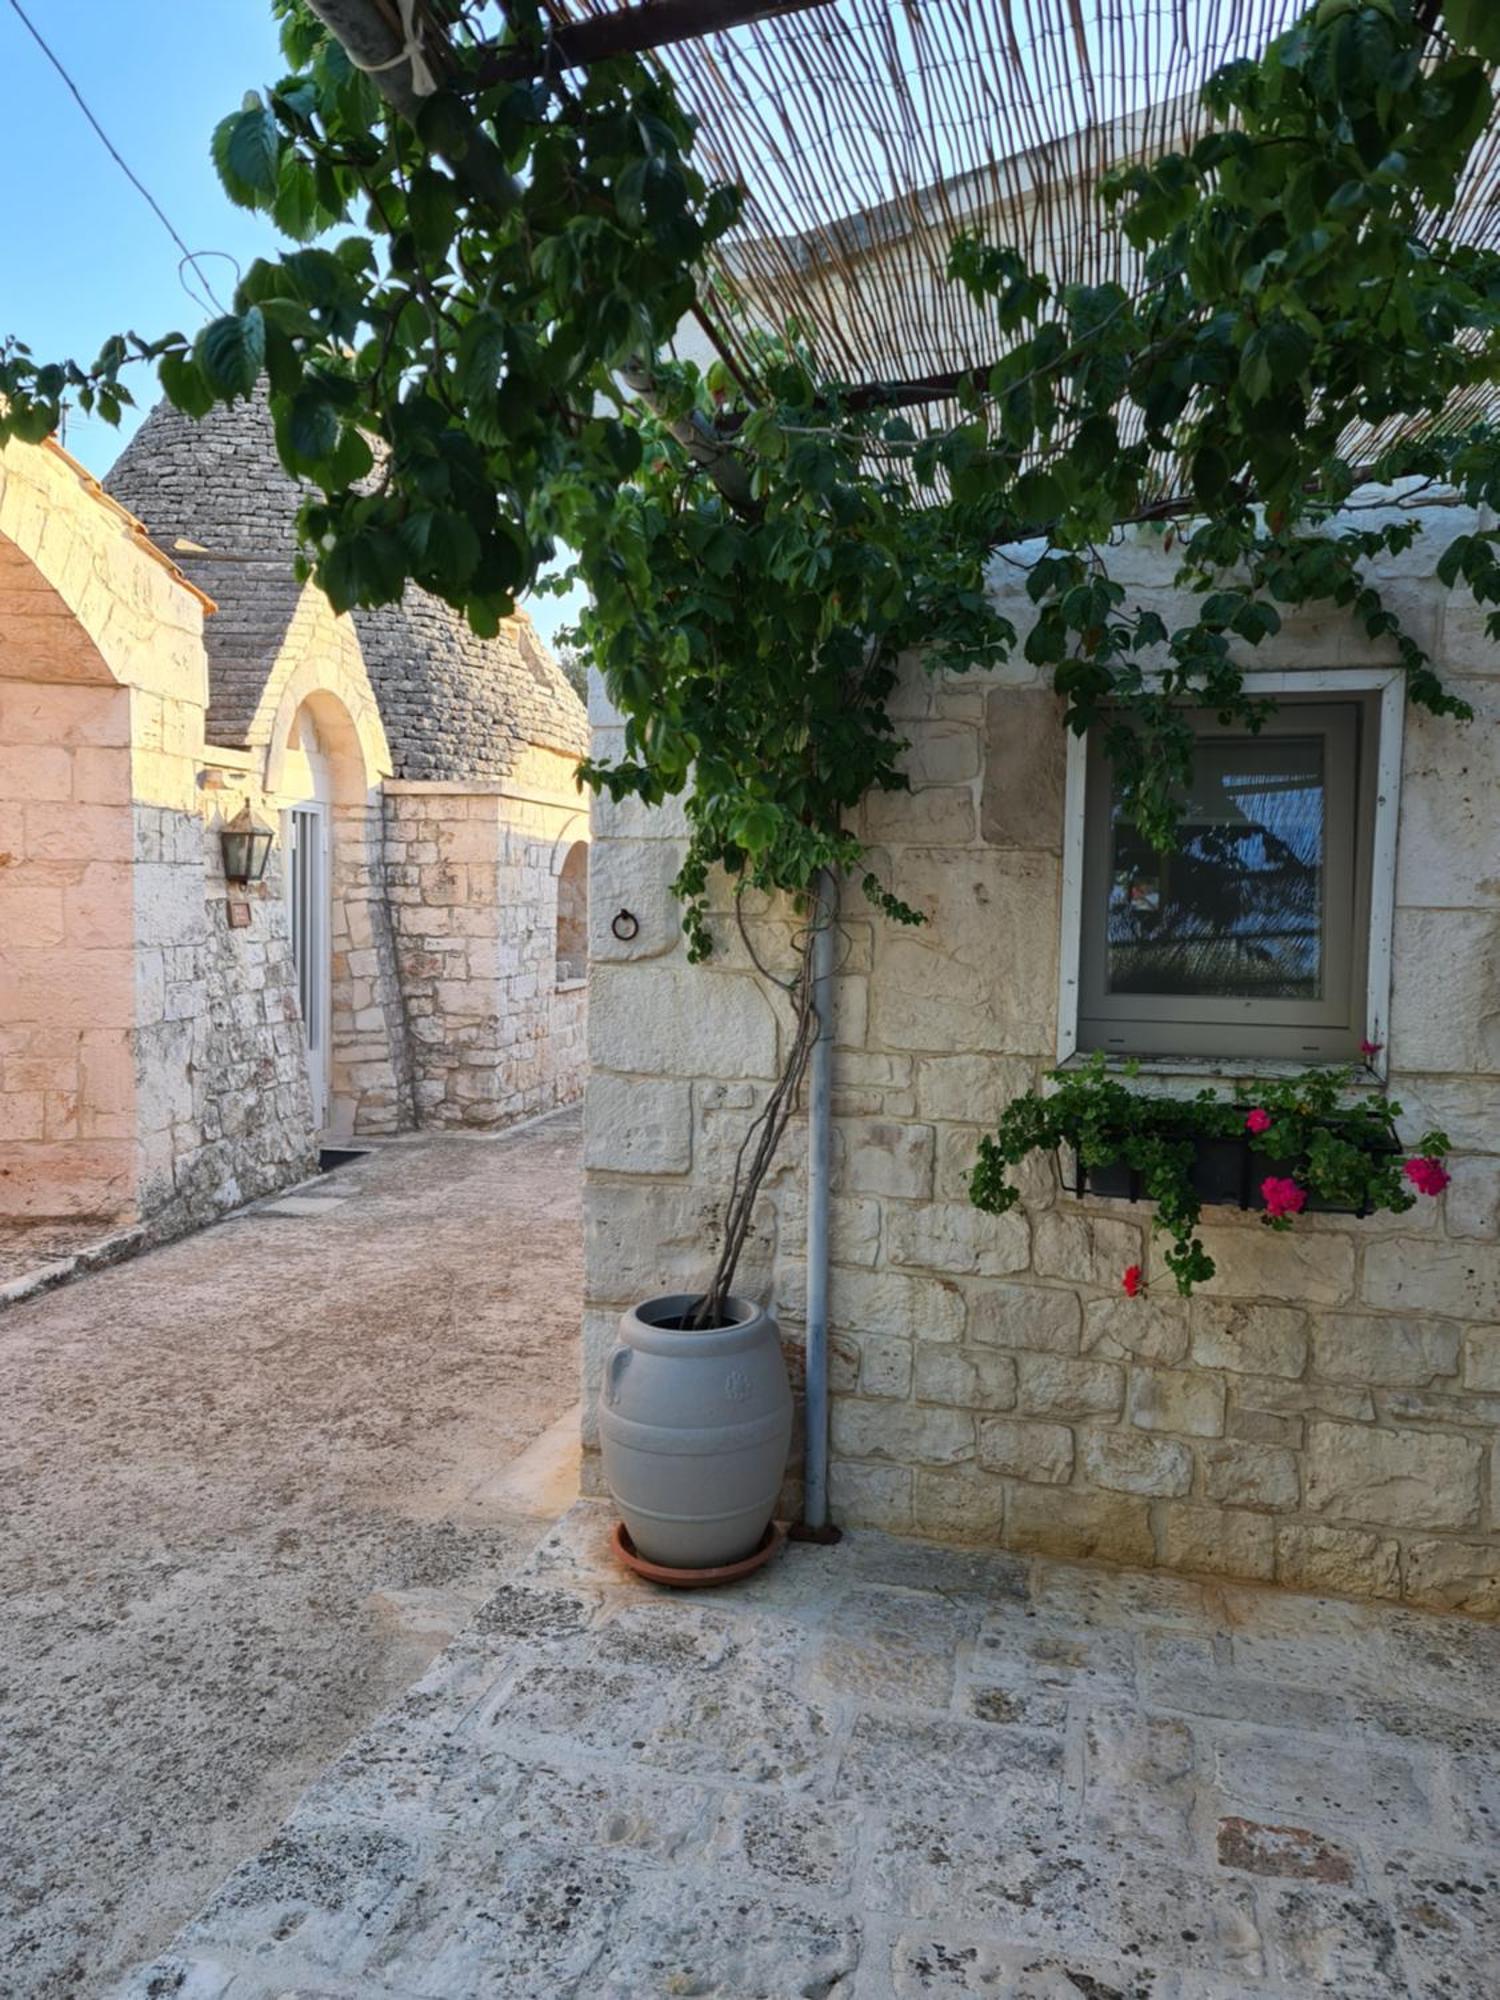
{"type": "Point", "coordinates": [573, 915]}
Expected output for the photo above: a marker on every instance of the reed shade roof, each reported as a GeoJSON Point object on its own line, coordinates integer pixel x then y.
{"type": "Point", "coordinates": [868, 133]}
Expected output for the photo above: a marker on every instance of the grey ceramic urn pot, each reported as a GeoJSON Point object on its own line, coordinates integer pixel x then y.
{"type": "Point", "coordinates": [695, 1429]}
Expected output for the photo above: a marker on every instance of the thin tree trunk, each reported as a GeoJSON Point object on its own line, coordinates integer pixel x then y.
{"type": "Point", "coordinates": [761, 1143]}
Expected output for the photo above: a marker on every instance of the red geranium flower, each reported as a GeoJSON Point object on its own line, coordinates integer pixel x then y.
{"type": "Point", "coordinates": [1133, 1280]}
{"type": "Point", "coordinates": [1427, 1176]}
{"type": "Point", "coordinates": [1282, 1197]}
{"type": "Point", "coordinates": [1258, 1121]}
{"type": "Point", "coordinates": [1368, 1048]}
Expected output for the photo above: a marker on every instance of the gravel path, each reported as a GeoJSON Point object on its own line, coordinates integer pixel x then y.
{"type": "Point", "coordinates": [250, 1484]}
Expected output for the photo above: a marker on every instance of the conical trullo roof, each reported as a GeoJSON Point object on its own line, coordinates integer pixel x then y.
{"type": "Point", "coordinates": [454, 706]}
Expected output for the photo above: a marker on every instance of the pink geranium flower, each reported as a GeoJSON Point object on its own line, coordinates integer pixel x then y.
{"type": "Point", "coordinates": [1427, 1176]}
{"type": "Point", "coordinates": [1369, 1049]}
{"type": "Point", "coordinates": [1258, 1121]}
{"type": "Point", "coordinates": [1282, 1197]}
{"type": "Point", "coordinates": [1133, 1280]}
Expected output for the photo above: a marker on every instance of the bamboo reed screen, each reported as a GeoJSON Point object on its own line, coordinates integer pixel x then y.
{"type": "Point", "coordinates": [867, 133]}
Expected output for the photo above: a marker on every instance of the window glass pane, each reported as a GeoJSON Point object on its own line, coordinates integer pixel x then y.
{"type": "Point", "coordinates": [1237, 909]}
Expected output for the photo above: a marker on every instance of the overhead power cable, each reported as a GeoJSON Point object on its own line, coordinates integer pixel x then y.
{"type": "Point", "coordinates": [188, 256]}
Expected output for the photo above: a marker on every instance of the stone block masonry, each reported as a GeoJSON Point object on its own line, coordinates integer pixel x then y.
{"type": "Point", "coordinates": [495, 1034]}
{"type": "Point", "coordinates": [1324, 1414]}
{"type": "Point", "coordinates": [67, 1086]}
{"type": "Point", "coordinates": [154, 1064]}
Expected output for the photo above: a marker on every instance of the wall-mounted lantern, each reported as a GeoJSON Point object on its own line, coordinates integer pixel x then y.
{"type": "Point", "coordinates": [247, 847]}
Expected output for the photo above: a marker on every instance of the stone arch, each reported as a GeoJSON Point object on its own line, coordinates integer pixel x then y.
{"type": "Point", "coordinates": [42, 638]}
{"type": "Point", "coordinates": [73, 579]}
{"type": "Point", "coordinates": [572, 913]}
{"type": "Point", "coordinates": [320, 666]}
{"type": "Point", "coordinates": [321, 703]}
{"type": "Point", "coordinates": [89, 597]}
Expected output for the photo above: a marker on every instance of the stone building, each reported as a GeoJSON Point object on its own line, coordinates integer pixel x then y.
{"type": "Point", "coordinates": [1326, 1412]}
{"type": "Point", "coordinates": [172, 1043]}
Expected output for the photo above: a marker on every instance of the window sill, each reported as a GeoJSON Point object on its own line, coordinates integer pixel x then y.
{"type": "Point", "coordinates": [1222, 1069]}
{"type": "Point", "coordinates": [571, 985]}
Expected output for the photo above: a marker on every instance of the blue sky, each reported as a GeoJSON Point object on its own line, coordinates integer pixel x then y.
{"type": "Point", "coordinates": [81, 254]}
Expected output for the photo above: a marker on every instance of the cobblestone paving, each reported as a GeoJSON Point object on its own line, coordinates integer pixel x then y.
{"type": "Point", "coordinates": [888, 1769]}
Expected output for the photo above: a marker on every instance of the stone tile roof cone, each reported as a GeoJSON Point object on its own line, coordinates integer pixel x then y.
{"type": "Point", "coordinates": [217, 498]}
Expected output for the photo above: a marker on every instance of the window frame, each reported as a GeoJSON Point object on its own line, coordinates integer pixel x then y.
{"type": "Point", "coordinates": [1387, 685]}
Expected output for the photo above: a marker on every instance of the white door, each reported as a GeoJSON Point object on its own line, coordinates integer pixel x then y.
{"type": "Point", "coordinates": [307, 860]}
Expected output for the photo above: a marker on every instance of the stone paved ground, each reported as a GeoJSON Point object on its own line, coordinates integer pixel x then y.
{"type": "Point", "coordinates": [886, 1769]}
{"type": "Point", "coordinates": [250, 1486]}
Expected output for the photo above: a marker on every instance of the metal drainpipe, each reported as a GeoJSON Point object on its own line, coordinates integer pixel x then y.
{"type": "Point", "coordinates": [815, 1525]}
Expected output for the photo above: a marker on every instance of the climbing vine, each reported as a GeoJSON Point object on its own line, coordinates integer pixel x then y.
{"type": "Point", "coordinates": [463, 353]}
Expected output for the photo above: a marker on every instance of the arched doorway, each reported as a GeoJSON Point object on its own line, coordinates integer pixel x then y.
{"type": "Point", "coordinates": [326, 759]}
{"type": "Point", "coordinates": [307, 786]}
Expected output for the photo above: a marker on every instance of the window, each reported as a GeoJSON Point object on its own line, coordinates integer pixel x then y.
{"type": "Point", "coordinates": [1265, 933]}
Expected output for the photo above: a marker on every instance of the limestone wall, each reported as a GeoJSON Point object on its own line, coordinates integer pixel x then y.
{"type": "Point", "coordinates": [152, 1058]}
{"type": "Point", "coordinates": [67, 1086]}
{"type": "Point", "coordinates": [1325, 1413]}
{"type": "Point", "coordinates": [102, 693]}
{"type": "Point", "coordinates": [372, 1061]}
{"type": "Point", "coordinates": [227, 1058]}
{"type": "Point", "coordinates": [473, 873]}
{"type": "Point", "coordinates": [150, 1062]}
{"type": "Point", "coordinates": [223, 1108]}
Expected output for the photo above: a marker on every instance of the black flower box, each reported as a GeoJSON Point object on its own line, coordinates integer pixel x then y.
{"type": "Point", "coordinates": [1226, 1173]}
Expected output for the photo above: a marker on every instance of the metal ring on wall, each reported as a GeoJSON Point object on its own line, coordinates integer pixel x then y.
{"type": "Point", "coordinates": [625, 925]}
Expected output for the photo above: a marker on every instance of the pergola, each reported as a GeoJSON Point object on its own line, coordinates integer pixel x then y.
{"type": "Point", "coordinates": [868, 133]}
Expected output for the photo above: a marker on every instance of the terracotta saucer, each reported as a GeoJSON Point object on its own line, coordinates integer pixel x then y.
{"type": "Point", "coordinates": [770, 1544]}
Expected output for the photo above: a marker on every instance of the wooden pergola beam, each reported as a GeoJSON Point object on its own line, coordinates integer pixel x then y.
{"type": "Point", "coordinates": [631, 31]}
{"type": "Point", "coordinates": [924, 389]}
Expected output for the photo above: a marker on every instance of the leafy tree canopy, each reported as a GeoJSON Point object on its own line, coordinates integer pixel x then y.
{"type": "Point", "coordinates": [447, 350]}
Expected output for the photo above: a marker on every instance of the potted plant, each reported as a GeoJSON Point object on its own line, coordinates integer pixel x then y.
{"type": "Point", "coordinates": [1284, 1147]}
{"type": "Point", "coordinates": [695, 1421]}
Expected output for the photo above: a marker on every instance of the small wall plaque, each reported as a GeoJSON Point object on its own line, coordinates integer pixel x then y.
{"type": "Point", "coordinates": [239, 914]}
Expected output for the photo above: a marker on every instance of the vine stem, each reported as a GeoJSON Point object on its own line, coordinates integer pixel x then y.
{"type": "Point", "coordinates": [762, 1140]}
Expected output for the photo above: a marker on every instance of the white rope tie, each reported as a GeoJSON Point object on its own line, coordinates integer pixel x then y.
{"type": "Point", "coordinates": [423, 82]}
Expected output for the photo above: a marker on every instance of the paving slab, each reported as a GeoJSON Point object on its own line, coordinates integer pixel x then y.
{"type": "Point", "coordinates": [883, 1771]}
{"type": "Point", "coordinates": [251, 1484]}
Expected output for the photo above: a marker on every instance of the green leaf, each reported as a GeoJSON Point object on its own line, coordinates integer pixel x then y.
{"type": "Point", "coordinates": [1210, 473]}
{"type": "Point", "coordinates": [446, 125]}
{"type": "Point", "coordinates": [365, 567]}
{"type": "Point", "coordinates": [230, 352]}
{"type": "Point", "coordinates": [246, 150]}
{"type": "Point", "coordinates": [283, 363]}
{"type": "Point", "coordinates": [433, 202]}
{"type": "Point", "coordinates": [754, 827]}
{"type": "Point", "coordinates": [1039, 499]}
{"type": "Point", "coordinates": [307, 431]}
{"type": "Point", "coordinates": [452, 550]}
{"type": "Point", "coordinates": [481, 356]}
{"type": "Point", "coordinates": [352, 461]}
{"type": "Point", "coordinates": [1256, 377]}
{"type": "Point", "coordinates": [184, 384]}
{"type": "Point", "coordinates": [296, 209]}
{"type": "Point", "coordinates": [1474, 24]}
